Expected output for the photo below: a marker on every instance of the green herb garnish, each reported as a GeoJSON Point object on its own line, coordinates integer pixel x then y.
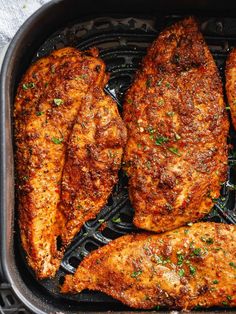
{"type": "Point", "coordinates": [170, 113]}
{"type": "Point", "coordinates": [207, 240]}
{"type": "Point", "coordinates": [28, 85]}
{"type": "Point", "coordinates": [57, 140]}
{"type": "Point", "coordinates": [135, 274]}
{"type": "Point", "coordinates": [181, 272]}
{"type": "Point", "coordinates": [116, 219]}
{"type": "Point", "coordinates": [174, 150]}
{"type": "Point", "coordinates": [180, 258]}
{"type": "Point", "coordinates": [192, 269]}
{"type": "Point", "coordinates": [39, 113]}
{"type": "Point", "coordinates": [197, 251]}
{"type": "Point", "coordinates": [58, 101]}
{"type": "Point", "coordinates": [232, 265]}
{"type": "Point", "coordinates": [168, 85]}
{"type": "Point", "coordinates": [160, 140]}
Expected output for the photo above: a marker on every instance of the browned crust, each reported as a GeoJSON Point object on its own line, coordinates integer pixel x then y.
{"type": "Point", "coordinates": [181, 269]}
{"type": "Point", "coordinates": [230, 75]}
{"type": "Point", "coordinates": [176, 153]}
{"type": "Point", "coordinates": [93, 159]}
{"type": "Point", "coordinates": [48, 100]}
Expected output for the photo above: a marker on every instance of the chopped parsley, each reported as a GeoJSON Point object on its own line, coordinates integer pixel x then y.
{"type": "Point", "coordinates": [225, 303]}
{"type": "Point", "coordinates": [207, 240]}
{"type": "Point", "coordinates": [28, 85]}
{"type": "Point", "coordinates": [151, 130]}
{"type": "Point", "coordinates": [170, 113]}
{"type": "Point", "coordinates": [129, 101]}
{"type": "Point", "coordinates": [57, 140]}
{"type": "Point", "coordinates": [39, 113]}
{"type": "Point", "coordinates": [229, 297]}
{"type": "Point", "coordinates": [168, 85]}
{"type": "Point", "coordinates": [58, 101]}
{"type": "Point", "coordinates": [174, 150]}
{"type": "Point", "coordinates": [192, 270]}
{"type": "Point", "coordinates": [232, 265]}
{"type": "Point", "coordinates": [215, 281]}
{"type": "Point", "coordinates": [161, 140]}
{"type": "Point", "coordinates": [181, 272]}
{"type": "Point", "coordinates": [197, 251]}
{"type": "Point", "coordinates": [161, 260]}
{"type": "Point", "coordinates": [180, 259]}
{"type": "Point", "coordinates": [116, 219]}
{"type": "Point", "coordinates": [191, 244]}
{"type": "Point", "coordinates": [135, 274]}
{"type": "Point", "coordinates": [148, 164]}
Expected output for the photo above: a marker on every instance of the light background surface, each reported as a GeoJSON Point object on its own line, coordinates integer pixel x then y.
{"type": "Point", "coordinates": [13, 13]}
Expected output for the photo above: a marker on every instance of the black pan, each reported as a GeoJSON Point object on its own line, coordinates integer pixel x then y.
{"type": "Point", "coordinates": [122, 30]}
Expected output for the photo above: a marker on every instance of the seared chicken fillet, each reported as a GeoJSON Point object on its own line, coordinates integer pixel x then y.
{"type": "Point", "coordinates": [47, 104]}
{"type": "Point", "coordinates": [181, 269]}
{"type": "Point", "coordinates": [93, 159]}
{"type": "Point", "coordinates": [230, 76]}
{"type": "Point", "coordinates": [176, 153]}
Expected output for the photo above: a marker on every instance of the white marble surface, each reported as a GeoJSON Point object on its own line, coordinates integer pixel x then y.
{"type": "Point", "coordinates": [12, 15]}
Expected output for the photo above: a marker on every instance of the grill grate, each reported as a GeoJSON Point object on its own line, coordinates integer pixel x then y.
{"type": "Point", "coordinates": [8, 302]}
{"type": "Point", "coordinates": [122, 43]}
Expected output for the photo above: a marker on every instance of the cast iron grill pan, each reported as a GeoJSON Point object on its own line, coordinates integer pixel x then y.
{"type": "Point", "coordinates": [122, 43]}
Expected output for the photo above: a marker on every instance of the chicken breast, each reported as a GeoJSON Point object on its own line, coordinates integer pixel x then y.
{"type": "Point", "coordinates": [230, 75]}
{"type": "Point", "coordinates": [176, 154]}
{"type": "Point", "coordinates": [181, 269]}
{"type": "Point", "coordinates": [93, 159]}
{"type": "Point", "coordinates": [47, 103]}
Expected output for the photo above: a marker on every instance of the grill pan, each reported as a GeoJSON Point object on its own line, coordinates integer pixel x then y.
{"type": "Point", "coordinates": [122, 33]}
